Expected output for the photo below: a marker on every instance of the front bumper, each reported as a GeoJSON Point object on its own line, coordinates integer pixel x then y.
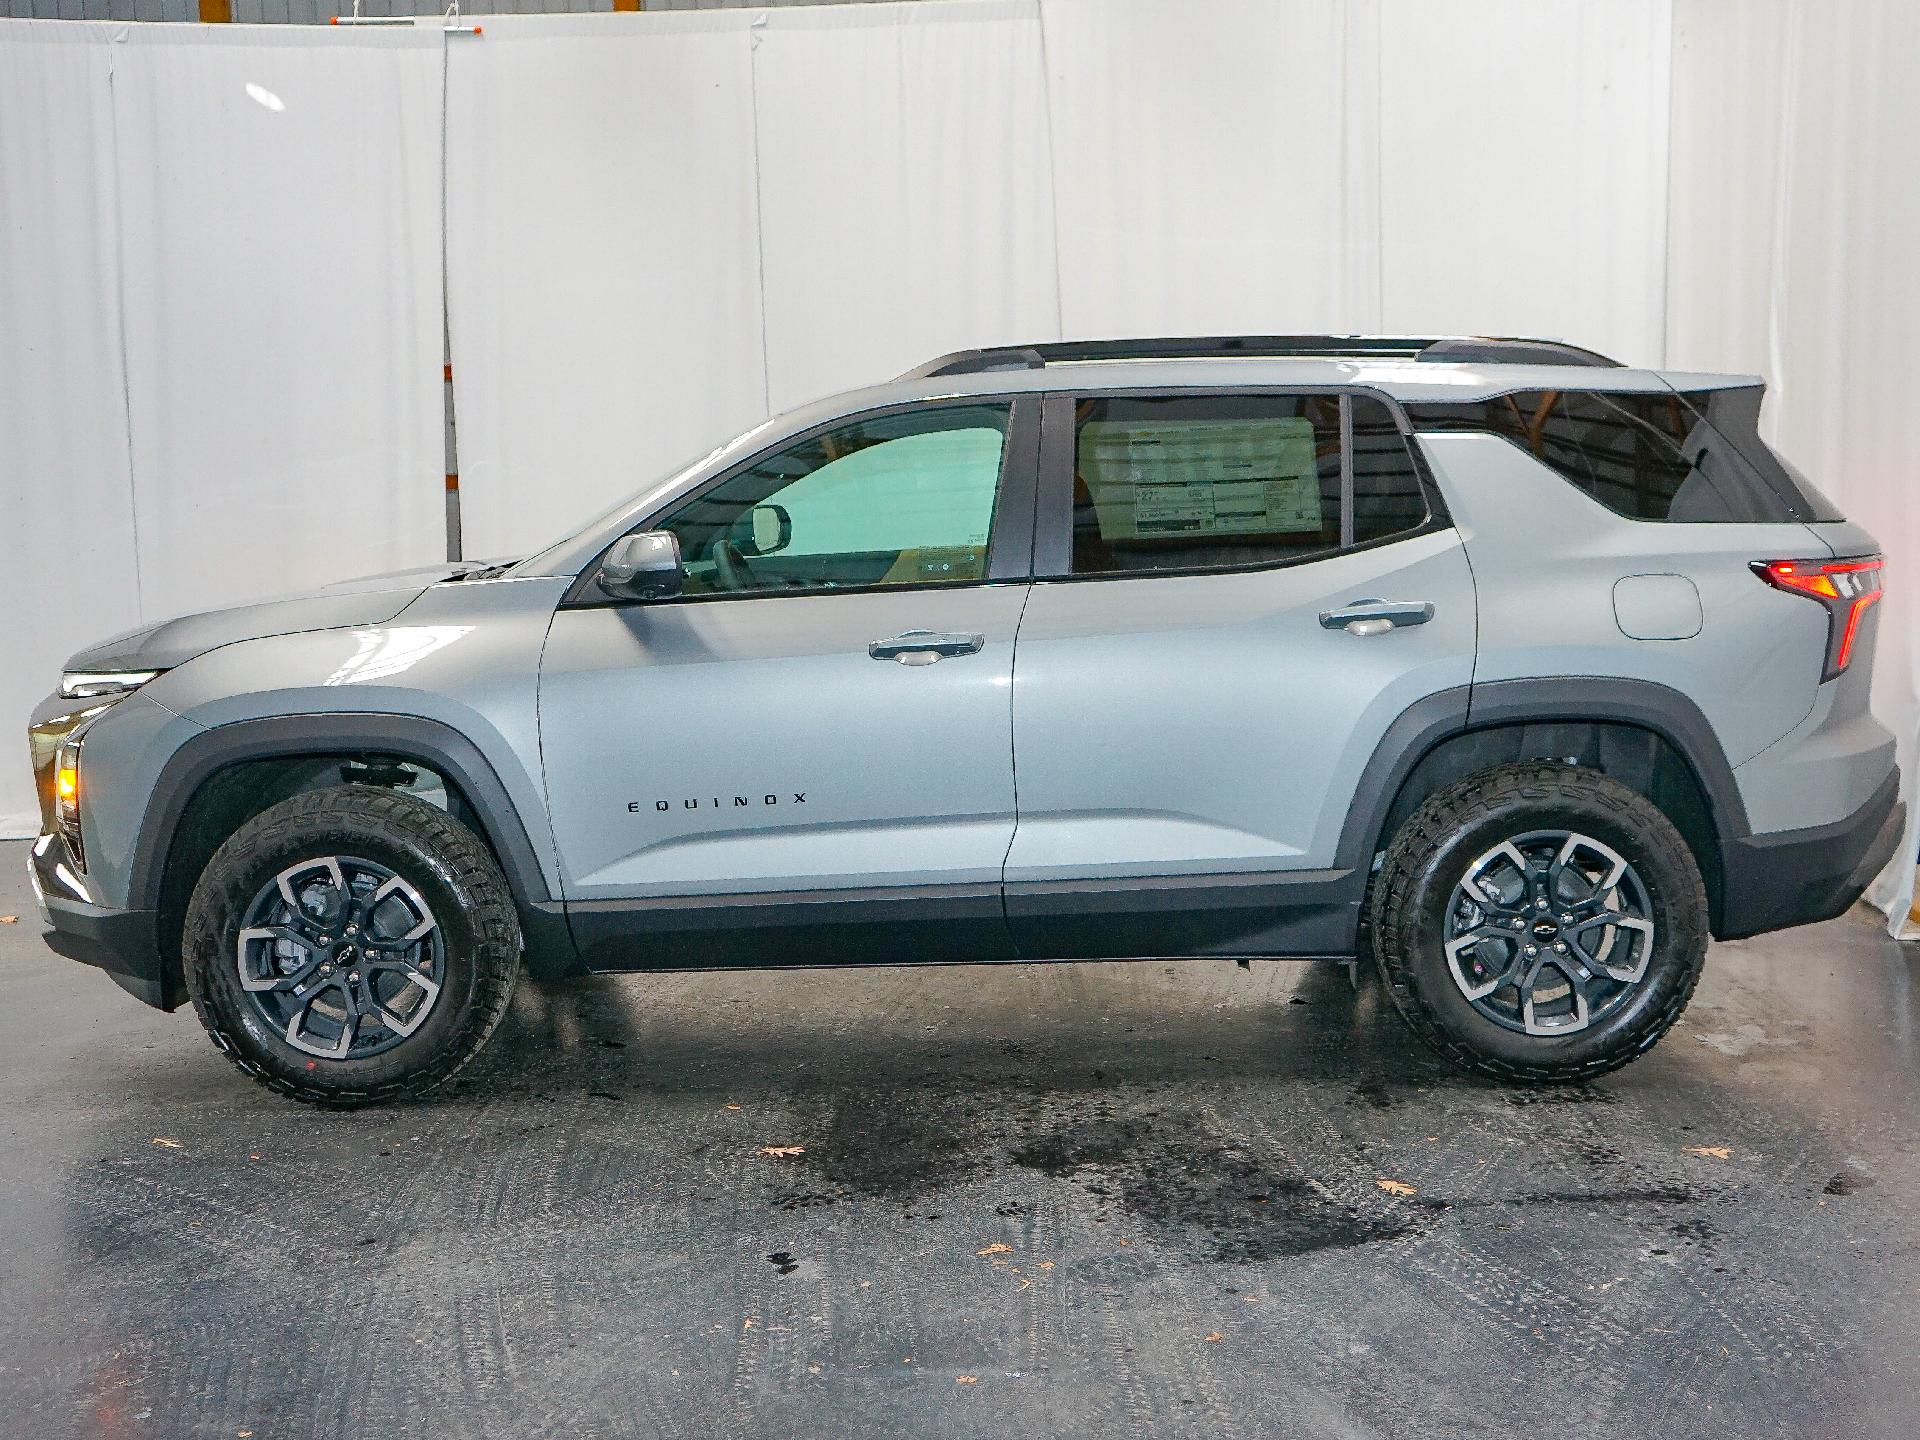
{"type": "Point", "coordinates": [1797, 877]}
{"type": "Point", "coordinates": [124, 943]}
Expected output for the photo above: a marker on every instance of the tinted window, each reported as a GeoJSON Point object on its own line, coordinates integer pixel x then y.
{"type": "Point", "coordinates": [1204, 481]}
{"type": "Point", "coordinates": [1228, 481]}
{"type": "Point", "coordinates": [1734, 414]}
{"type": "Point", "coordinates": [1387, 496]}
{"type": "Point", "coordinates": [1648, 457]}
{"type": "Point", "coordinates": [901, 499]}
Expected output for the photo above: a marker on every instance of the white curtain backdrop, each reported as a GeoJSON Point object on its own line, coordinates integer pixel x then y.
{"type": "Point", "coordinates": [280, 262]}
{"type": "Point", "coordinates": [219, 327]}
{"type": "Point", "coordinates": [1796, 200]}
{"type": "Point", "coordinates": [1523, 155]}
{"type": "Point", "coordinates": [1216, 166]}
{"type": "Point", "coordinates": [603, 259]}
{"type": "Point", "coordinates": [906, 198]}
{"type": "Point", "coordinates": [68, 568]}
{"type": "Point", "coordinates": [219, 250]}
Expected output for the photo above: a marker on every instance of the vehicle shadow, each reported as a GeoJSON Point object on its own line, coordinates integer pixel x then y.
{"type": "Point", "coordinates": [1038, 1026]}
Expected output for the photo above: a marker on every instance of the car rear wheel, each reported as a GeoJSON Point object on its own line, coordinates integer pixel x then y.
{"type": "Point", "coordinates": [351, 945]}
{"type": "Point", "coordinates": [1539, 922]}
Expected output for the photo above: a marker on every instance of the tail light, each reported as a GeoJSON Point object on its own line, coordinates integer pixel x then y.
{"type": "Point", "coordinates": [1845, 587]}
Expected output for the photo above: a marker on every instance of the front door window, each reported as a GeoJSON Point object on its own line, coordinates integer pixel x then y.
{"type": "Point", "coordinates": [889, 500]}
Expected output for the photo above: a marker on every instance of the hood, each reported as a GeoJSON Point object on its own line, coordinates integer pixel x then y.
{"type": "Point", "coordinates": [371, 600]}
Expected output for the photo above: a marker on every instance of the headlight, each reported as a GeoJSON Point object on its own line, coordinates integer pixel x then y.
{"type": "Point", "coordinates": [86, 684]}
{"type": "Point", "coordinates": [55, 746]}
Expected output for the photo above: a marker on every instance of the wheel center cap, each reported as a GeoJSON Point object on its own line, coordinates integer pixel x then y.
{"type": "Point", "coordinates": [345, 955]}
{"type": "Point", "coordinates": [1545, 929]}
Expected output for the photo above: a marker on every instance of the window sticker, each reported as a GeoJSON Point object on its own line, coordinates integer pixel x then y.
{"type": "Point", "coordinates": [1151, 479]}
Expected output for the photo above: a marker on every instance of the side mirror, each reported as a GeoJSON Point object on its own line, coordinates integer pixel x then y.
{"type": "Point", "coordinates": [764, 530]}
{"type": "Point", "coordinates": [643, 566]}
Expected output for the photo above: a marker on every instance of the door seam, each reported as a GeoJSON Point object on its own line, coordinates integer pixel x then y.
{"type": "Point", "coordinates": [1013, 760]}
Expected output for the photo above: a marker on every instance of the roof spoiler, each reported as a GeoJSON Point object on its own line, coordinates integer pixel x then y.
{"type": "Point", "coordinates": [1458, 349]}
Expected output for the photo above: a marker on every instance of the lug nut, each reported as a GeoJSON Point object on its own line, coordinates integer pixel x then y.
{"type": "Point", "coordinates": [355, 976]}
{"type": "Point", "coordinates": [1533, 949]}
{"type": "Point", "coordinates": [1559, 947]}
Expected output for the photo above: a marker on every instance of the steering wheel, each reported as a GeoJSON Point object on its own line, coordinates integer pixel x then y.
{"type": "Point", "coordinates": [730, 566]}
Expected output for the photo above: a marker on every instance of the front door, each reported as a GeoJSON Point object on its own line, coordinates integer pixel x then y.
{"type": "Point", "coordinates": [1235, 596]}
{"type": "Point", "coordinates": [808, 755]}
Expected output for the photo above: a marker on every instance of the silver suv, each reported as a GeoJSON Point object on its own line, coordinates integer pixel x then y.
{"type": "Point", "coordinates": [1517, 670]}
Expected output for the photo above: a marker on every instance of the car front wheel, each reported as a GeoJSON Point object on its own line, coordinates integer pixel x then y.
{"type": "Point", "coordinates": [351, 945]}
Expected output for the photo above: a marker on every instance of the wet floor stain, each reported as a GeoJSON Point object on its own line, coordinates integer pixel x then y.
{"type": "Point", "coordinates": [1198, 1190]}
{"type": "Point", "coordinates": [897, 1141]}
{"type": "Point", "coordinates": [1846, 1182]}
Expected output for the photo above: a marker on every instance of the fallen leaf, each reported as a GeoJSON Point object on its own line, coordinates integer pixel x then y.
{"type": "Point", "coordinates": [1214, 1337]}
{"type": "Point", "coordinates": [170, 1144]}
{"type": "Point", "coordinates": [9, 919]}
{"type": "Point", "coordinates": [1396, 1187]}
{"type": "Point", "coordinates": [1712, 1152]}
{"type": "Point", "coordinates": [1046, 1264]}
{"type": "Point", "coordinates": [731, 1106]}
{"type": "Point", "coordinates": [782, 1151]}
{"type": "Point", "coordinates": [746, 1324]}
{"type": "Point", "coordinates": [966, 1379]}
{"type": "Point", "coordinates": [996, 1249]}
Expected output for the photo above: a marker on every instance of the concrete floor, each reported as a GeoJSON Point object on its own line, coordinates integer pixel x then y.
{"type": "Point", "coordinates": [1079, 1199]}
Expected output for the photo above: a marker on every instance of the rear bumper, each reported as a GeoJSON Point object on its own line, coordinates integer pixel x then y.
{"type": "Point", "coordinates": [1796, 877]}
{"type": "Point", "coordinates": [124, 943]}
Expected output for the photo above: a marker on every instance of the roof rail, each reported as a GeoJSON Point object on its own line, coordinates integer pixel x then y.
{"type": "Point", "coordinates": [1467, 349]}
{"type": "Point", "coordinates": [1511, 350]}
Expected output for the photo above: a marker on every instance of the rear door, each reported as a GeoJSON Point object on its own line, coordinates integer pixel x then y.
{"type": "Point", "coordinates": [808, 754]}
{"type": "Point", "coordinates": [1236, 595]}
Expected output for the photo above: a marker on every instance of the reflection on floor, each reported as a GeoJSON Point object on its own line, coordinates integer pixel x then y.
{"type": "Point", "coordinates": [1080, 1199]}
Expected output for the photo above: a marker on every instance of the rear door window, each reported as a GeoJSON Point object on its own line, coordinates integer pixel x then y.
{"type": "Point", "coordinates": [1205, 482]}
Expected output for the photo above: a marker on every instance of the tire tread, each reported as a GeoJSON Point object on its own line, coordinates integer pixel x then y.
{"type": "Point", "coordinates": [214, 912]}
{"type": "Point", "coordinates": [1393, 902]}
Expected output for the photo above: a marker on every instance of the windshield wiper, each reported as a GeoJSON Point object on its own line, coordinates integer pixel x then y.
{"type": "Point", "coordinates": [485, 572]}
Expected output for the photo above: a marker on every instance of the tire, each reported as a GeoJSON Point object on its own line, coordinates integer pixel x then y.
{"type": "Point", "coordinates": [441, 938]}
{"type": "Point", "coordinates": [1421, 891]}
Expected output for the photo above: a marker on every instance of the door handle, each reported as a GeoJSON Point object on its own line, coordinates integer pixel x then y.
{"type": "Point", "coordinates": [1376, 617]}
{"type": "Point", "coordinates": [923, 647]}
